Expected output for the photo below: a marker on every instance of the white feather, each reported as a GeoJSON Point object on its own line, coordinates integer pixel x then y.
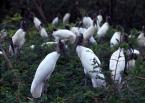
{"type": "Point", "coordinates": [66, 18]}
{"type": "Point", "coordinates": [141, 40]}
{"type": "Point", "coordinates": [87, 22]}
{"type": "Point", "coordinates": [63, 34]}
{"type": "Point", "coordinates": [37, 22]}
{"type": "Point", "coordinates": [43, 72]}
{"type": "Point", "coordinates": [92, 69]}
{"type": "Point", "coordinates": [115, 40]}
{"type": "Point", "coordinates": [89, 32]}
{"type": "Point", "coordinates": [100, 19]}
{"type": "Point", "coordinates": [43, 33]}
{"type": "Point", "coordinates": [55, 21]}
{"type": "Point", "coordinates": [117, 65]}
{"type": "Point", "coordinates": [103, 30]}
{"type": "Point", "coordinates": [75, 30]}
{"type": "Point", "coordinates": [1, 52]}
{"type": "Point", "coordinates": [18, 40]}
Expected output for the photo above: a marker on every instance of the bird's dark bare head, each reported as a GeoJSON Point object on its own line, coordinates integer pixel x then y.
{"type": "Point", "coordinates": [108, 19]}
{"type": "Point", "coordinates": [79, 40]}
{"type": "Point", "coordinates": [60, 47]}
{"type": "Point", "coordinates": [23, 25]}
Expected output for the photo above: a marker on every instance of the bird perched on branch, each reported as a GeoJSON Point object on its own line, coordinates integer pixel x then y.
{"type": "Point", "coordinates": [44, 70]}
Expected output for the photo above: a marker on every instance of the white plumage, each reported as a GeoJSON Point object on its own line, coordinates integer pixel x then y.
{"type": "Point", "coordinates": [89, 32]}
{"type": "Point", "coordinates": [55, 21]}
{"type": "Point", "coordinates": [141, 40]}
{"type": "Point", "coordinates": [92, 40]}
{"type": "Point", "coordinates": [75, 30]}
{"type": "Point", "coordinates": [82, 30]}
{"type": "Point", "coordinates": [91, 65]}
{"type": "Point", "coordinates": [115, 40]}
{"type": "Point", "coordinates": [43, 32]}
{"type": "Point", "coordinates": [37, 22]}
{"type": "Point", "coordinates": [117, 65]}
{"type": "Point", "coordinates": [87, 22]}
{"type": "Point", "coordinates": [43, 72]}
{"type": "Point", "coordinates": [103, 30]}
{"type": "Point", "coordinates": [99, 19]}
{"type": "Point", "coordinates": [18, 40]}
{"type": "Point", "coordinates": [66, 18]}
{"type": "Point", "coordinates": [64, 35]}
{"type": "Point", "coordinates": [1, 52]}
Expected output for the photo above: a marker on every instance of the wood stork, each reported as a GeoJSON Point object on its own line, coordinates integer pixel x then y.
{"type": "Point", "coordinates": [1, 52]}
{"type": "Point", "coordinates": [18, 39]}
{"type": "Point", "coordinates": [37, 22]}
{"type": "Point", "coordinates": [99, 18]}
{"type": "Point", "coordinates": [132, 55]}
{"type": "Point", "coordinates": [117, 65]}
{"type": "Point", "coordinates": [88, 34]}
{"type": "Point", "coordinates": [44, 71]}
{"type": "Point", "coordinates": [104, 28]}
{"type": "Point", "coordinates": [43, 32]}
{"type": "Point", "coordinates": [64, 34]}
{"type": "Point", "coordinates": [55, 21]}
{"type": "Point", "coordinates": [116, 39]}
{"type": "Point", "coordinates": [66, 18]}
{"type": "Point", "coordinates": [91, 64]}
{"type": "Point", "coordinates": [141, 38]}
{"type": "Point", "coordinates": [87, 22]}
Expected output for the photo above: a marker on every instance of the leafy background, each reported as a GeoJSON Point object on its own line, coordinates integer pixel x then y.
{"type": "Point", "coordinates": [66, 84]}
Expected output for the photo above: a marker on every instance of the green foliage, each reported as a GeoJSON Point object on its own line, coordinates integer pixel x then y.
{"type": "Point", "coordinates": [67, 83]}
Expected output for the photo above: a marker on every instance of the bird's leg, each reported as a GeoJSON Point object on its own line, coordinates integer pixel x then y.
{"type": "Point", "coordinates": [44, 91]}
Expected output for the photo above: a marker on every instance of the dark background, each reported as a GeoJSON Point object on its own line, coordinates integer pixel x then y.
{"type": "Point", "coordinates": [128, 13]}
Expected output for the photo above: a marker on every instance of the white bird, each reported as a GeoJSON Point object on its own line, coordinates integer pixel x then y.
{"type": "Point", "coordinates": [141, 38]}
{"type": "Point", "coordinates": [89, 32]}
{"type": "Point", "coordinates": [55, 21]}
{"type": "Point", "coordinates": [44, 71]}
{"type": "Point", "coordinates": [82, 30]}
{"type": "Point", "coordinates": [1, 52]}
{"type": "Point", "coordinates": [37, 22]}
{"type": "Point", "coordinates": [92, 40]}
{"type": "Point", "coordinates": [115, 40]}
{"type": "Point", "coordinates": [99, 18]}
{"type": "Point", "coordinates": [66, 18]}
{"type": "Point", "coordinates": [43, 32]}
{"type": "Point", "coordinates": [18, 39]}
{"type": "Point", "coordinates": [87, 22]}
{"type": "Point", "coordinates": [64, 34]}
{"type": "Point", "coordinates": [132, 55]}
{"type": "Point", "coordinates": [75, 30]}
{"type": "Point", "coordinates": [117, 65]}
{"type": "Point", "coordinates": [104, 28]}
{"type": "Point", "coordinates": [91, 64]}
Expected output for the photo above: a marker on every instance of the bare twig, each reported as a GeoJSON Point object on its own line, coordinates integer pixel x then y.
{"type": "Point", "coordinates": [138, 77]}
